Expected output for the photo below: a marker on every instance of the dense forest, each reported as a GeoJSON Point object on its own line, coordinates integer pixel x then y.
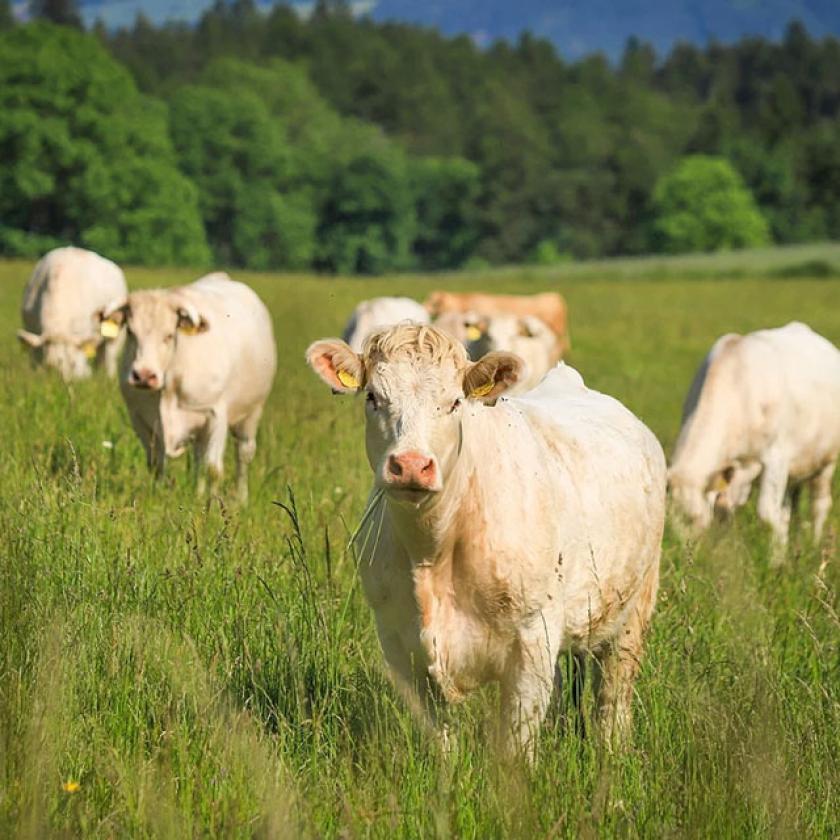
{"type": "Point", "coordinates": [337, 144]}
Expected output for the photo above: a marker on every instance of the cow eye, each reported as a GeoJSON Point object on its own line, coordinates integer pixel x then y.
{"type": "Point", "coordinates": [371, 401]}
{"type": "Point", "coordinates": [455, 406]}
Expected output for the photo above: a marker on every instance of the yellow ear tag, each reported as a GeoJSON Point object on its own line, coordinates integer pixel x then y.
{"type": "Point", "coordinates": [89, 349]}
{"type": "Point", "coordinates": [188, 328]}
{"type": "Point", "coordinates": [473, 332]}
{"type": "Point", "coordinates": [109, 329]}
{"type": "Point", "coordinates": [482, 390]}
{"type": "Point", "coordinates": [347, 379]}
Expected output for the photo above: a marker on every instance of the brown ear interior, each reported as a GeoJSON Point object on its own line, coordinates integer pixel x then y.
{"type": "Point", "coordinates": [187, 326]}
{"type": "Point", "coordinates": [492, 375]}
{"type": "Point", "coordinates": [118, 315]}
{"type": "Point", "coordinates": [336, 363]}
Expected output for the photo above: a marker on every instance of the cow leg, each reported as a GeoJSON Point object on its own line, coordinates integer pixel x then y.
{"type": "Point", "coordinates": [111, 355]}
{"type": "Point", "coordinates": [152, 442]}
{"type": "Point", "coordinates": [210, 450]}
{"type": "Point", "coordinates": [410, 675]}
{"type": "Point", "coordinates": [617, 665]}
{"type": "Point", "coordinates": [526, 688]}
{"type": "Point", "coordinates": [245, 433]}
{"type": "Point", "coordinates": [774, 506]}
{"type": "Point", "coordinates": [821, 497]}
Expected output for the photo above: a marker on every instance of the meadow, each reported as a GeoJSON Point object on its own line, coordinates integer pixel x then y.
{"type": "Point", "coordinates": [182, 667]}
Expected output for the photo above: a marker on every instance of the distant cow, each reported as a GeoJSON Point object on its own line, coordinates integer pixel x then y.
{"type": "Point", "coordinates": [62, 304]}
{"type": "Point", "coordinates": [199, 360]}
{"type": "Point", "coordinates": [549, 307]}
{"type": "Point", "coordinates": [528, 337]}
{"type": "Point", "coordinates": [377, 313]}
{"type": "Point", "coordinates": [765, 403]}
{"type": "Point", "coordinates": [497, 537]}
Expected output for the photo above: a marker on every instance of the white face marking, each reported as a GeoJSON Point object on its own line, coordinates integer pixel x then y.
{"type": "Point", "coordinates": [413, 406]}
{"type": "Point", "coordinates": [151, 334]}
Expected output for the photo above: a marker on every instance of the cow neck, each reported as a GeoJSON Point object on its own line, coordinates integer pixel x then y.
{"type": "Point", "coordinates": [425, 530]}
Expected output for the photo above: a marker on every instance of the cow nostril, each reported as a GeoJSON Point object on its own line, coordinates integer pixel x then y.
{"type": "Point", "coordinates": [394, 466]}
{"type": "Point", "coordinates": [428, 466]}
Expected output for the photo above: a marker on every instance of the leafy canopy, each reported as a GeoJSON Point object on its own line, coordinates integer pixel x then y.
{"type": "Point", "coordinates": [703, 205]}
{"type": "Point", "coordinates": [84, 158]}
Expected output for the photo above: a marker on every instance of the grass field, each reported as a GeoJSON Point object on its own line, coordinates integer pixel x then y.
{"type": "Point", "coordinates": [204, 670]}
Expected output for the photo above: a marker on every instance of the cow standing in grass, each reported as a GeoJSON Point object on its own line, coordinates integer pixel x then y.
{"type": "Point", "coordinates": [62, 304]}
{"type": "Point", "coordinates": [199, 361]}
{"type": "Point", "coordinates": [549, 307]}
{"type": "Point", "coordinates": [499, 536]}
{"type": "Point", "coordinates": [378, 313]}
{"type": "Point", "coordinates": [768, 404]}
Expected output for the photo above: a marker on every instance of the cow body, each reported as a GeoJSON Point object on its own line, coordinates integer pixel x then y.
{"type": "Point", "coordinates": [200, 360]}
{"type": "Point", "coordinates": [377, 313]}
{"type": "Point", "coordinates": [505, 534]}
{"type": "Point", "coordinates": [768, 404]}
{"type": "Point", "coordinates": [549, 307]}
{"type": "Point", "coordinates": [62, 302]}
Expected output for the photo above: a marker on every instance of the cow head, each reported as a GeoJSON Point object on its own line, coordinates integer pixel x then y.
{"type": "Point", "coordinates": [155, 320]}
{"type": "Point", "coordinates": [415, 379]}
{"type": "Point", "coordinates": [70, 355]}
{"type": "Point", "coordinates": [719, 495]}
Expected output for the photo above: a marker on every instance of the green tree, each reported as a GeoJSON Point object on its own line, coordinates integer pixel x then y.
{"type": "Point", "coordinates": [62, 12]}
{"type": "Point", "coordinates": [704, 205]}
{"type": "Point", "coordinates": [368, 221]}
{"type": "Point", "coordinates": [445, 192]}
{"type": "Point", "coordinates": [84, 158]}
{"type": "Point", "coordinates": [7, 19]}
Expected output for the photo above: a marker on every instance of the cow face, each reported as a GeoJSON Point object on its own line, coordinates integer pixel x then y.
{"type": "Point", "coordinates": [415, 380]}
{"type": "Point", "coordinates": [155, 322]}
{"type": "Point", "coordinates": [71, 356]}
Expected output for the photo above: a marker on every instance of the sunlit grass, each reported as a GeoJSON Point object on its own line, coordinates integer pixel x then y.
{"type": "Point", "coordinates": [204, 670]}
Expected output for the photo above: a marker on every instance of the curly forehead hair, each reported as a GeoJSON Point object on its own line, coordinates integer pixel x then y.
{"type": "Point", "coordinates": [414, 342]}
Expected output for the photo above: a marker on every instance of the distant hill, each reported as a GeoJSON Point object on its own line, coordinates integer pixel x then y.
{"type": "Point", "coordinates": [576, 27]}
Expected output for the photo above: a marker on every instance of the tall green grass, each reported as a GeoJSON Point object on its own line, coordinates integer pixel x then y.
{"type": "Point", "coordinates": [205, 670]}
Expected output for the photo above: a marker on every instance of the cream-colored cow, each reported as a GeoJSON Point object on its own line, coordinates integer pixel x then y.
{"type": "Point", "coordinates": [527, 336]}
{"type": "Point", "coordinates": [62, 304]}
{"type": "Point", "coordinates": [199, 360]}
{"type": "Point", "coordinates": [499, 536]}
{"type": "Point", "coordinates": [378, 313]}
{"type": "Point", "coordinates": [549, 307]}
{"type": "Point", "coordinates": [766, 403]}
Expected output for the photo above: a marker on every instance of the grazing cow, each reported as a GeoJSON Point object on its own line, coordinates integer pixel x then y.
{"type": "Point", "coordinates": [199, 360]}
{"type": "Point", "coordinates": [765, 403]}
{"type": "Point", "coordinates": [549, 307]}
{"type": "Point", "coordinates": [497, 537]}
{"type": "Point", "coordinates": [526, 336]}
{"type": "Point", "coordinates": [62, 304]}
{"type": "Point", "coordinates": [377, 313]}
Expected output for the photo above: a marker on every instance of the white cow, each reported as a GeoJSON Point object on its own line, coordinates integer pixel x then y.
{"type": "Point", "coordinates": [377, 313]}
{"type": "Point", "coordinates": [62, 304]}
{"type": "Point", "coordinates": [199, 360]}
{"type": "Point", "coordinates": [528, 337]}
{"type": "Point", "coordinates": [765, 403]}
{"type": "Point", "coordinates": [497, 537]}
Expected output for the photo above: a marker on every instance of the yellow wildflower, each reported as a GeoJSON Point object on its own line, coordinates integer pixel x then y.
{"type": "Point", "coordinates": [71, 787]}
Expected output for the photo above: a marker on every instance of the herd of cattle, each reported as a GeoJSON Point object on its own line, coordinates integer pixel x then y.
{"type": "Point", "coordinates": [515, 513]}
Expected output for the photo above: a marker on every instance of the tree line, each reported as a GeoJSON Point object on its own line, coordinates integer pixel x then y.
{"type": "Point", "coordinates": [258, 139]}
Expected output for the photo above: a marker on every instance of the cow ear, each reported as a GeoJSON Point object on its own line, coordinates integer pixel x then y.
{"type": "Point", "coordinates": [529, 326]}
{"type": "Point", "coordinates": [492, 375]}
{"type": "Point", "coordinates": [31, 339]}
{"type": "Point", "coordinates": [112, 317]}
{"type": "Point", "coordinates": [336, 363]}
{"type": "Point", "coordinates": [190, 322]}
